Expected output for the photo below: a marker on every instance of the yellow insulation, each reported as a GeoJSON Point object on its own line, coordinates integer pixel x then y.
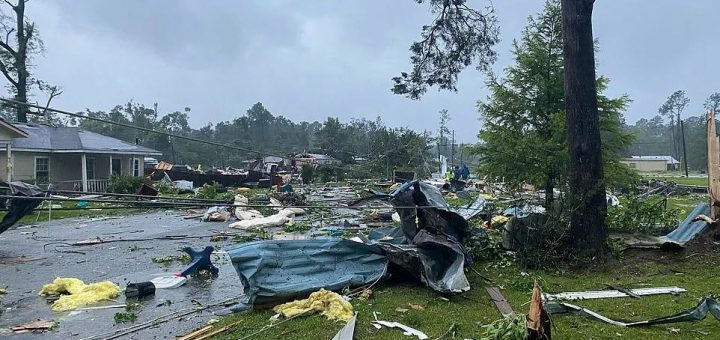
{"type": "Point", "coordinates": [329, 304]}
{"type": "Point", "coordinates": [75, 293]}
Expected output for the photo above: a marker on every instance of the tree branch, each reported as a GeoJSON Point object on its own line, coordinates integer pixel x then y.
{"type": "Point", "coordinates": [5, 72]}
{"type": "Point", "coordinates": [8, 48]}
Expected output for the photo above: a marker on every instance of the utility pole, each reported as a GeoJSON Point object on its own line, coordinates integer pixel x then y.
{"type": "Point", "coordinates": [461, 153]}
{"type": "Point", "coordinates": [682, 132]}
{"type": "Point", "coordinates": [452, 150]}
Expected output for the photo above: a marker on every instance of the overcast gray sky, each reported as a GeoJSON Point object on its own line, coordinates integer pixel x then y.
{"type": "Point", "coordinates": [311, 59]}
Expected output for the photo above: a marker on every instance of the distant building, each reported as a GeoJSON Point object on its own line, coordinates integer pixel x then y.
{"type": "Point", "coordinates": [317, 159]}
{"type": "Point", "coordinates": [652, 163]}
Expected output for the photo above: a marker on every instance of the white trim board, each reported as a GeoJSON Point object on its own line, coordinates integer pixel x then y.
{"type": "Point", "coordinates": [602, 294]}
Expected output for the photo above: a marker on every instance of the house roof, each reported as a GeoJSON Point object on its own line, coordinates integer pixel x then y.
{"type": "Point", "coordinates": [14, 130]}
{"type": "Point", "coordinates": [667, 159]}
{"type": "Point", "coordinates": [73, 139]}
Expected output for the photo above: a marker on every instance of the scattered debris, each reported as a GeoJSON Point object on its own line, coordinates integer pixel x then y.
{"type": "Point", "coordinates": [199, 260]}
{"type": "Point", "coordinates": [139, 290]}
{"type": "Point", "coordinates": [698, 313]}
{"type": "Point", "coordinates": [80, 294]}
{"type": "Point", "coordinates": [39, 325]}
{"type": "Point", "coordinates": [216, 214]}
{"type": "Point", "coordinates": [283, 216]}
{"type": "Point", "coordinates": [329, 304]}
{"type": "Point", "coordinates": [602, 294]}
{"type": "Point", "coordinates": [500, 302]}
{"type": "Point", "coordinates": [538, 320]}
{"type": "Point", "coordinates": [409, 331]}
{"type": "Point", "coordinates": [207, 332]}
{"type": "Point", "coordinates": [348, 331]}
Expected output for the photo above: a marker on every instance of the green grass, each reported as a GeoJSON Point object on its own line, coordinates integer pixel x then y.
{"type": "Point", "coordinates": [61, 214]}
{"type": "Point", "coordinates": [699, 181]}
{"type": "Point", "coordinates": [473, 309]}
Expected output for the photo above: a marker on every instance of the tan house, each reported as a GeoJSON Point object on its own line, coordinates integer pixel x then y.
{"type": "Point", "coordinates": [652, 163]}
{"type": "Point", "coordinates": [69, 158]}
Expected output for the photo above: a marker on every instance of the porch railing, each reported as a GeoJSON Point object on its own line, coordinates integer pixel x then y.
{"type": "Point", "coordinates": [93, 185]}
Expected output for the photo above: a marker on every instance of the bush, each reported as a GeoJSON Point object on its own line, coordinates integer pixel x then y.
{"type": "Point", "coordinates": [166, 188]}
{"type": "Point", "coordinates": [642, 215]}
{"type": "Point", "coordinates": [307, 174]}
{"type": "Point", "coordinates": [124, 184]}
{"type": "Point", "coordinates": [208, 191]}
{"type": "Point", "coordinates": [325, 173]}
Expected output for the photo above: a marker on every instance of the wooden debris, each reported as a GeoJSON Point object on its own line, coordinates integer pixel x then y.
{"type": "Point", "coordinates": [416, 307]}
{"type": "Point", "coordinates": [538, 320]}
{"type": "Point", "coordinates": [499, 300]}
{"type": "Point", "coordinates": [39, 325]}
{"type": "Point", "coordinates": [207, 332]}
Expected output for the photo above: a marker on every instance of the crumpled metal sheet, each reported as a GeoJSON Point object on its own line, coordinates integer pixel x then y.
{"type": "Point", "coordinates": [430, 250]}
{"type": "Point", "coordinates": [686, 231]}
{"type": "Point", "coordinates": [434, 234]}
{"type": "Point", "coordinates": [276, 270]}
{"type": "Point", "coordinates": [698, 313]}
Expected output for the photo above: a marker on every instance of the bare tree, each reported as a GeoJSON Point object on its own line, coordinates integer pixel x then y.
{"type": "Point", "coordinates": [19, 40]}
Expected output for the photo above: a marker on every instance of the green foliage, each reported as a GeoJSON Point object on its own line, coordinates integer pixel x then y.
{"type": "Point", "coordinates": [524, 132]}
{"type": "Point", "coordinates": [123, 317]}
{"type": "Point", "coordinates": [208, 191]}
{"type": "Point", "coordinates": [167, 260]}
{"type": "Point", "coordinates": [649, 216]}
{"type": "Point", "coordinates": [325, 173]}
{"type": "Point", "coordinates": [459, 36]}
{"type": "Point", "coordinates": [307, 174]}
{"type": "Point", "coordinates": [166, 188]}
{"type": "Point", "coordinates": [124, 184]}
{"type": "Point", "coordinates": [510, 327]}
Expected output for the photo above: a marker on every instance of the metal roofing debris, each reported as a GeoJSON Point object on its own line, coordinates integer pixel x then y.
{"type": "Point", "coordinates": [430, 250]}
{"type": "Point", "coordinates": [698, 313]}
{"type": "Point", "coordinates": [610, 293]}
{"type": "Point", "coordinates": [686, 231]}
{"type": "Point", "coordinates": [278, 270]}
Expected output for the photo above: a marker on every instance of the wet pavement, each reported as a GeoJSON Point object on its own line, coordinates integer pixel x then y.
{"type": "Point", "coordinates": [25, 267]}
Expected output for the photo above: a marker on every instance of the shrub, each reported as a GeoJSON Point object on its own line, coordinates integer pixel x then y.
{"type": "Point", "coordinates": [325, 173]}
{"type": "Point", "coordinates": [642, 215]}
{"type": "Point", "coordinates": [124, 184]}
{"type": "Point", "coordinates": [208, 191]}
{"type": "Point", "coordinates": [307, 174]}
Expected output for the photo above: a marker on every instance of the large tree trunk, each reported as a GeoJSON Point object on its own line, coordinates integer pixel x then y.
{"type": "Point", "coordinates": [588, 232]}
{"type": "Point", "coordinates": [21, 61]}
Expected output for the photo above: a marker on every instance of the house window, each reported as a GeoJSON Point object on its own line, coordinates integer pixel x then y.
{"type": "Point", "coordinates": [136, 167]}
{"type": "Point", "coordinates": [42, 170]}
{"type": "Point", "coordinates": [90, 165]}
{"type": "Point", "coordinates": [115, 166]}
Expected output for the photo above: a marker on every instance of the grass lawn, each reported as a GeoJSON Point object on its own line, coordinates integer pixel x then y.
{"type": "Point", "coordinates": [700, 181]}
{"type": "Point", "coordinates": [471, 310]}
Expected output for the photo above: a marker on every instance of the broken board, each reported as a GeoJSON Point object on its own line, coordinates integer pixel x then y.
{"type": "Point", "coordinates": [499, 300]}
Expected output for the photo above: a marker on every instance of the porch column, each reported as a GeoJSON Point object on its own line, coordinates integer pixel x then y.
{"type": "Point", "coordinates": [83, 159]}
{"type": "Point", "coordinates": [9, 162]}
